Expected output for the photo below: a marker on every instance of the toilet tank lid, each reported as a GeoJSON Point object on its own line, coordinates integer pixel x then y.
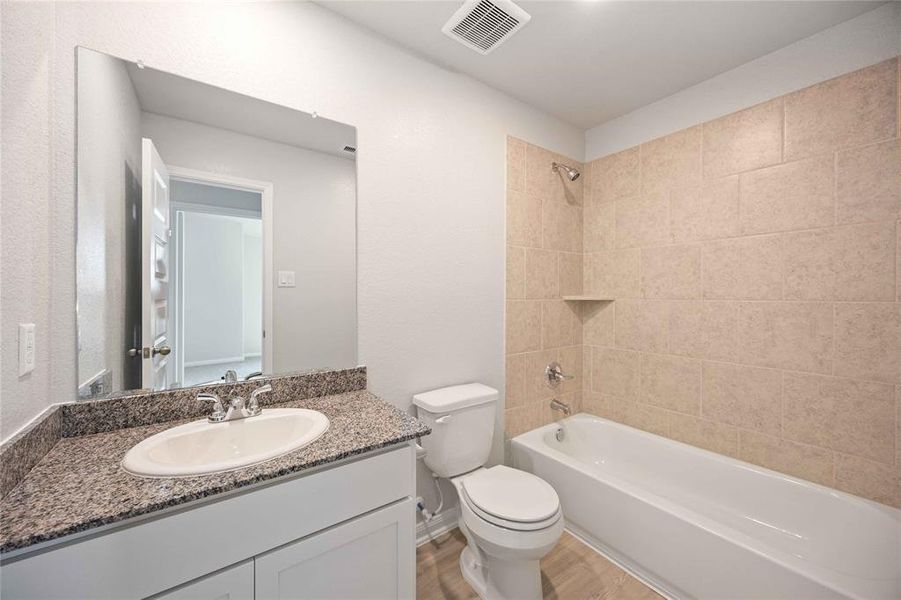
{"type": "Point", "coordinates": [455, 397]}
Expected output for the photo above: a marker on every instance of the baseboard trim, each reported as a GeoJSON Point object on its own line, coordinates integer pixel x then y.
{"type": "Point", "coordinates": [439, 525]}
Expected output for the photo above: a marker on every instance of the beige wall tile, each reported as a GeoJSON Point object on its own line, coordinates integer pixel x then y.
{"type": "Point", "coordinates": [856, 417]}
{"type": "Point", "coordinates": [797, 195]}
{"type": "Point", "coordinates": [542, 275]}
{"type": "Point", "coordinates": [898, 261]}
{"type": "Point", "coordinates": [843, 263]}
{"type": "Point", "coordinates": [523, 325]}
{"type": "Point", "coordinates": [868, 183]}
{"type": "Point", "coordinates": [864, 266]}
{"type": "Point", "coordinates": [671, 162]}
{"type": "Point", "coordinates": [520, 420]}
{"type": "Point", "coordinates": [787, 335]}
{"type": "Point", "coordinates": [645, 417]}
{"type": "Point", "coordinates": [748, 139]}
{"type": "Point", "coordinates": [870, 479]}
{"type": "Point", "coordinates": [599, 226]}
{"type": "Point", "coordinates": [613, 273]}
{"type": "Point", "coordinates": [600, 405]}
{"type": "Point", "coordinates": [745, 268]}
{"type": "Point", "coordinates": [853, 109]}
{"type": "Point", "coordinates": [671, 382]}
{"type": "Point", "coordinates": [516, 272]}
{"type": "Point", "coordinates": [615, 176]}
{"type": "Point", "coordinates": [708, 435]}
{"type": "Point", "coordinates": [559, 324]}
{"type": "Point", "coordinates": [807, 462]}
{"type": "Point", "coordinates": [704, 329]}
{"type": "Point", "coordinates": [671, 272]}
{"type": "Point", "coordinates": [539, 176]}
{"type": "Point", "coordinates": [516, 164]}
{"type": "Point", "coordinates": [868, 341]}
{"type": "Point", "coordinates": [537, 388]}
{"type": "Point", "coordinates": [515, 383]}
{"type": "Point", "coordinates": [706, 212]}
{"type": "Point", "coordinates": [569, 265]}
{"type": "Point", "coordinates": [746, 397]}
{"type": "Point", "coordinates": [561, 225]}
{"type": "Point", "coordinates": [598, 322]}
{"type": "Point", "coordinates": [642, 220]}
{"type": "Point", "coordinates": [571, 362]}
{"type": "Point", "coordinates": [523, 219]}
{"type": "Point", "coordinates": [898, 426]}
{"type": "Point", "coordinates": [616, 373]}
{"type": "Point", "coordinates": [642, 325]}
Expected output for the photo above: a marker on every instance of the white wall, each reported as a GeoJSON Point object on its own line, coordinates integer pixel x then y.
{"type": "Point", "coordinates": [253, 290]}
{"type": "Point", "coordinates": [865, 40]}
{"type": "Point", "coordinates": [314, 230]}
{"type": "Point", "coordinates": [213, 291]}
{"type": "Point", "coordinates": [430, 177]}
{"type": "Point", "coordinates": [110, 130]}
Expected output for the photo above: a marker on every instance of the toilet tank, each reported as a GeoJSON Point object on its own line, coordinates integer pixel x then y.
{"type": "Point", "coordinates": [462, 421]}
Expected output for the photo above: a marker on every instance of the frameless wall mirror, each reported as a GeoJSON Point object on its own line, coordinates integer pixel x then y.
{"type": "Point", "coordinates": [216, 233]}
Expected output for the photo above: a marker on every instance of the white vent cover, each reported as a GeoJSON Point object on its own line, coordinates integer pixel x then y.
{"type": "Point", "coordinates": [483, 25]}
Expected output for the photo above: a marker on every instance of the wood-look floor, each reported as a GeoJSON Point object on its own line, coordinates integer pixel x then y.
{"type": "Point", "coordinates": [572, 571]}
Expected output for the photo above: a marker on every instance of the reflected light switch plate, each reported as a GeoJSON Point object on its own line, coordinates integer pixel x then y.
{"type": "Point", "coordinates": [26, 348]}
{"type": "Point", "coordinates": [286, 279]}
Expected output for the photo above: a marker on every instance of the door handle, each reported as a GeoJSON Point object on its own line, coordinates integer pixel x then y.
{"type": "Point", "coordinates": [164, 350]}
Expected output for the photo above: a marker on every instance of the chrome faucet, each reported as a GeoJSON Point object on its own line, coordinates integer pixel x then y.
{"type": "Point", "coordinates": [562, 407]}
{"type": "Point", "coordinates": [231, 376]}
{"type": "Point", "coordinates": [238, 408]}
{"type": "Point", "coordinates": [560, 434]}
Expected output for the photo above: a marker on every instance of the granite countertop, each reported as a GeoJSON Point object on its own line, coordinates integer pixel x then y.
{"type": "Point", "coordinates": [79, 484]}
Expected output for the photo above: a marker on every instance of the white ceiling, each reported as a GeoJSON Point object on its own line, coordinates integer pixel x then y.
{"type": "Point", "coordinates": [590, 61]}
{"type": "Point", "coordinates": [173, 96]}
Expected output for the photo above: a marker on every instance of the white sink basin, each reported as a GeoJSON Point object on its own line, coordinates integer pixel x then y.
{"type": "Point", "coordinates": [201, 447]}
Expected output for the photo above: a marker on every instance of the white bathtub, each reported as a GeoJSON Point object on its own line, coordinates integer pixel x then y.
{"type": "Point", "coordinates": [694, 524]}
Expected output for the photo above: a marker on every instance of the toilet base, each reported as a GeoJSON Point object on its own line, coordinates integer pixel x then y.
{"type": "Point", "coordinates": [496, 579]}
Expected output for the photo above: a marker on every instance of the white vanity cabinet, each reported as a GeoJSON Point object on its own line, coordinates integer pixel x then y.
{"type": "Point", "coordinates": [232, 583]}
{"type": "Point", "coordinates": [345, 531]}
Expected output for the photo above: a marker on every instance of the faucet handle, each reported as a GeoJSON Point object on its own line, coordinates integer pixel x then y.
{"type": "Point", "coordinates": [218, 412]}
{"type": "Point", "coordinates": [555, 375]}
{"type": "Point", "coordinates": [254, 403]}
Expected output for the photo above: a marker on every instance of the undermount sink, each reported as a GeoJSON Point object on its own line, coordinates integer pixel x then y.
{"type": "Point", "coordinates": [201, 447]}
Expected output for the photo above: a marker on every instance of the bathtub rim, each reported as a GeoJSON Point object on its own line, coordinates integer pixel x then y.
{"type": "Point", "coordinates": [533, 441]}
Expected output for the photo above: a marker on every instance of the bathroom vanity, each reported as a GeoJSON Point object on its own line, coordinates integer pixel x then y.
{"type": "Point", "coordinates": [299, 525]}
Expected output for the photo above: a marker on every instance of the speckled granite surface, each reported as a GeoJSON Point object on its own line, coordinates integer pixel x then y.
{"type": "Point", "coordinates": [20, 453]}
{"type": "Point", "coordinates": [23, 451]}
{"type": "Point", "coordinates": [84, 418]}
{"type": "Point", "coordinates": [80, 484]}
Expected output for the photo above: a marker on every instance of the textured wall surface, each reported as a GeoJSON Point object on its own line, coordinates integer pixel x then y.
{"type": "Point", "coordinates": [754, 262]}
{"type": "Point", "coordinates": [544, 264]}
{"type": "Point", "coordinates": [430, 212]}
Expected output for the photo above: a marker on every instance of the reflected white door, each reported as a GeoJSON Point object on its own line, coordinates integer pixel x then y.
{"type": "Point", "coordinates": [154, 270]}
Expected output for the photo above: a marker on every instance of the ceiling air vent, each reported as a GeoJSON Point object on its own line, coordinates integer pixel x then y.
{"type": "Point", "coordinates": [483, 25]}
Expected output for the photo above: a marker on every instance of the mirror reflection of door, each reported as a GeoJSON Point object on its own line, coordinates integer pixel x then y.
{"type": "Point", "coordinates": [217, 296]}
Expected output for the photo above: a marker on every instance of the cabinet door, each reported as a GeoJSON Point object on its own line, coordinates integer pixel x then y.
{"type": "Point", "coordinates": [371, 557]}
{"type": "Point", "coordinates": [231, 583]}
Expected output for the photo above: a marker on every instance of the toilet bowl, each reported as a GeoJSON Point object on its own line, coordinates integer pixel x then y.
{"type": "Point", "coordinates": [510, 518]}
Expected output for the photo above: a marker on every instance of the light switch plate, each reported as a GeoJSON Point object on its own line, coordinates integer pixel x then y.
{"type": "Point", "coordinates": [26, 348]}
{"type": "Point", "coordinates": [286, 279]}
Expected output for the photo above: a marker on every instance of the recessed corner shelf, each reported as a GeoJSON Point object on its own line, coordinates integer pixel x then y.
{"type": "Point", "coordinates": [587, 299]}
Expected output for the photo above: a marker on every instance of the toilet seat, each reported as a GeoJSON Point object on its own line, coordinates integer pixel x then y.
{"type": "Point", "coordinates": [511, 498]}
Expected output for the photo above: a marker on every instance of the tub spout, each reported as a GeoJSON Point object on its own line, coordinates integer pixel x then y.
{"type": "Point", "coordinates": [562, 407]}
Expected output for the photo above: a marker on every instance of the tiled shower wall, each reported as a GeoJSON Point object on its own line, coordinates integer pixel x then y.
{"type": "Point", "coordinates": [544, 263]}
{"type": "Point", "coordinates": [755, 267]}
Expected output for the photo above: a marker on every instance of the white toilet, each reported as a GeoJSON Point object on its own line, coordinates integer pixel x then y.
{"type": "Point", "coordinates": [510, 518]}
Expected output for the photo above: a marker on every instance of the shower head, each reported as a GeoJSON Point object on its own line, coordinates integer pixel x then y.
{"type": "Point", "coordinates": [571, 173]}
